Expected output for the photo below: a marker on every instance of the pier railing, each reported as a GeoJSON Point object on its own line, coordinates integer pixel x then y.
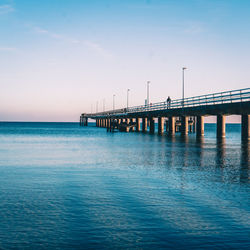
{"type": "Point", "coordinates": [234, 96]}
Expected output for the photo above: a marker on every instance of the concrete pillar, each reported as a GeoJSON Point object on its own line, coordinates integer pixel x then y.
{"type": "Point", "coordinates": [171, 123]}
{"type": "Point", "coordinates": [221, 126]}
{"type": "Point", "coordinates": [167, 126]}
{"type": "Point", "coordinates": [184, 125]}
{"type": "Point", "coordinates": [132, 121]}
{"type": "Point", "coordinates": [245, 127]}
{"type": "Point", "coordinates": [127, 122]}
{"type": "Point", "coordinates": [111, 125]}
{"type": "Point", "coordinates": [138, 124]}
{"type": "Point", "coordinates": [194, 125]}
{"type": "Point", "coordinates": [108, 124]}
{"type": "Point", "coordinates": [86, 121]}
{"type": "Point", "coordinates": [151, 125]}
{"type": "Point", "coordinates": [96, 122]}
{"type": "Point", "coordinates": [144, 124]}
{"type": "Point", "coordinates": [199, 126]}
{"type": "Point", "coordinates": [160, 125]}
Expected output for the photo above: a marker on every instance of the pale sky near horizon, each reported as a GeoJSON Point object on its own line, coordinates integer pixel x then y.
{"type": "Point", "coordinates": [59, 57]}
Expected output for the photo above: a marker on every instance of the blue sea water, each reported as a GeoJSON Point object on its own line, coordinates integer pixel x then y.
{"type": "Point", "coordinates": [68, 187]}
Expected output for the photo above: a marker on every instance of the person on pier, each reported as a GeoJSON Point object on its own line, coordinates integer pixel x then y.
{"type": "Point", "coordinates": [169, 101]}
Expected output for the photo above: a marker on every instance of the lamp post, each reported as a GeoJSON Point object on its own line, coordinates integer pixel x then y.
{"type": "Point", "coordinates": [103, 105]}
{"type": "Point", "coordinates": [113, 102]}
{"type": "Point", "coordinates": [97, 107]}
{"type": "Point", "coordinates": [183, 70]}
{"type": "Point", "coordinates": [148, 82]}
{"type": "Point", "coordinates": [127, 96]}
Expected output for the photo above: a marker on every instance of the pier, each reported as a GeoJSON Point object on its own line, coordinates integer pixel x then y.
{"type": "Point", "coordinates": [181, 116]}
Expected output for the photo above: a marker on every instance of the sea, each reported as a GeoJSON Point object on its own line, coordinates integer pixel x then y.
{"type": "Point", "coordinates": [63, 186]}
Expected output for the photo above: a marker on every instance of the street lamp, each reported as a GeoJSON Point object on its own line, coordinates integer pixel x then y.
{"type": "Point", "coordinates": [97, 107]}
{"type": "Point", "coordinates": [183, 69]}
{"type": "Point", "coordinates": [113, 102]}
{"type": "Point", "coordinates": [103, 105]}
{"type": "Point", "coordinates": [148, 82]}
{"type": "Point", "coordinates": [127, 96]}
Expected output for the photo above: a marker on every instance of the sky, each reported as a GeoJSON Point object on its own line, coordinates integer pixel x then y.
{"type": "Point", "coordinates": [59, 58]}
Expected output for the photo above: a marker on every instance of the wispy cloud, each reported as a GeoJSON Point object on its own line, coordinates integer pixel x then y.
{"type": "Point", "coordinates": [98, 49]}
{"type": "Point", "coordinates": [194, 28]}
{"type": "Point", "coordinates": [41, 31]}
{"type": "Point", "coordinates": [54, 35]}
{"type": "Point", "coordinates": [6, 8]}
{"type": "Point", "coordinates": [8, 49]}
{"type": "Point", "coordinates": [93, 46]}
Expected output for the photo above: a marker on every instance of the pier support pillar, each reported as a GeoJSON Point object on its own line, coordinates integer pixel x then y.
{"type": "Point", "coordinates": [184, 125]}
{"type": "Point", "coordinates": [132, 121]}
{"type": "Point", "coordinates": [96, 122]}
{"type": "Point", "coordinates": [144, 124]}
{"type": "Point", "coordinates": [167, 126]}
{"type": "Point", "coordinates": [200, 126]}
{"type": "Point", "coordinates": [127, 122]}
{"type": "Point", "coordinates": [221, 126]}
{"type": "Point", "coordinates": [171, 124]}
{"type": "Point", "coordinates": [194, 124]}
{"type": "Point", "coordinates": [245, 127]}
{"type": "Point", "coordinates": [160, 125]}
{"type": "Point", "coordinates": [152, 125]}
{"type": "Point", "coordinates": [111, 126]}
{"type": "Point", "coordinates": [138, 124]}
{"type": "Point", "coordinates": [108, 125]}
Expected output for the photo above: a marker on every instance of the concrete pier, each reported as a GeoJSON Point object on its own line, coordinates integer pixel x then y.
{"type": "Point", "coordinates": [185, 119]}
{"type": "Point", "coordinates": [245, 127]}
{"type": "Point", "coordinates": [151, 125]}
{"type": "Point", "coordinates": [199, 126]}
{"type": "Point", "coordinates": [144, 124]}
{"type": "Point", "coordinates": [138, 124]}
{"type": "Point", "coordinates": [184, 125]}
{"type": "Point", "coordinates": [160, 125]}
{"type": "Point", "coordinates": [221, 126]}
{"type": "Point", "coordinates": [171, 123]}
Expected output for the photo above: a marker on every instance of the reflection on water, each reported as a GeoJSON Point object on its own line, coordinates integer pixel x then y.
{"type": "Point", "coordinates": [64, 186]}
{"type": "Point", "coordinates": [220, 152]}
{"type": "Point", "coordinates": [245, 162]}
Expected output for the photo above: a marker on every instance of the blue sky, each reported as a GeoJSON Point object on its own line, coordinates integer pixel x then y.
{"type": "Point", "coordinates": [59, 57]}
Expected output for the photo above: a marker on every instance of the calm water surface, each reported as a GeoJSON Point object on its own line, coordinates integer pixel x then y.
{"type": "Point", "coordinates": [65, 186]}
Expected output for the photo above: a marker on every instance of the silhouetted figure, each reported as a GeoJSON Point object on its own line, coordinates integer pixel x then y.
{"type": "Point", "coordinates": [169, 101]}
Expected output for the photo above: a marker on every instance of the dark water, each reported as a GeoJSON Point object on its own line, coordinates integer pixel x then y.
{"type": "Point", "coordinates": [66, 187]}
